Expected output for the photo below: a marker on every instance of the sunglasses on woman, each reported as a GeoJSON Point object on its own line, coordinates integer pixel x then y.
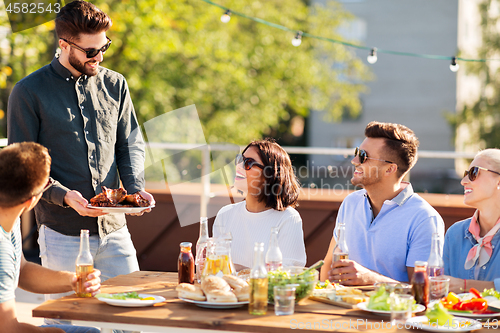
{"type": "Point", "coordinates": [93, 52]}
{"type": "Point", "coordinates": [248, 162]}
{"type": "Point", "coordinates": [474, 171]}
{"type": "Point", "coordinates": [363, 156]}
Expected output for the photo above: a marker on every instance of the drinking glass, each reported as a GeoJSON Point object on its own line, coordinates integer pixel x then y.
{"type": "Point", "coordinates": [394, 287]}
{"type": "Point", "coordinates": [284, 300]}
{"type": "Point", "coordinates": [401, 309]}
{"type": "Point", "coordinates": [438, 287]}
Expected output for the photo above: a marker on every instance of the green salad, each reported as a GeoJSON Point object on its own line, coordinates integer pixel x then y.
{"type": "Point", "coordinates": [491, 292]}
{"type": "Point", "coordinates": [305, 282]}
{"type": "Point", "coordinates": [381, 300]}
{"type": "Point", "coordinates": [129, 295]}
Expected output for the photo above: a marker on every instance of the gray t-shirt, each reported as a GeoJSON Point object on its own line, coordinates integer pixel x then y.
{"type": "Point", "coordinates": [10, 261]}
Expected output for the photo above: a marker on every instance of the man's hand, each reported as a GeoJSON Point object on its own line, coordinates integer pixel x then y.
{"type": "Point", "coordinates": [350, 273]}
{"type": "Point", "coordinates": [75, 200]}
{"type": "Point", "coordinates": [93, 283]}
{"type": "Point", "coordinates": [149, 197]}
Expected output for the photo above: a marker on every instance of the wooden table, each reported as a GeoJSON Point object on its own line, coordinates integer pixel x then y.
{"type": "Point", "coordinates": [174, 315]}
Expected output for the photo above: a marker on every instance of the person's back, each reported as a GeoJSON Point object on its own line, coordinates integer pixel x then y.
{"type": "Point", "coordinates": [24, 176]}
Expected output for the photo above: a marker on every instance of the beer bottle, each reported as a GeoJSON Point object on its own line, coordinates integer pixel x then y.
{"type": "Point", "coordinates": [84, 264]}
{"type": "Point", "coordinates": [201, 248]}
{"type": "Point", "coordinates": [258, 282]}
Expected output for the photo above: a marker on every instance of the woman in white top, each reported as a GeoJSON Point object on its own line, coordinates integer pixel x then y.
{"type": "Point", "coordinates": [264, 171]}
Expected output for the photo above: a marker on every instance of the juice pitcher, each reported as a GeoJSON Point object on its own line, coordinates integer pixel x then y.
{"type": "Point", "coordinates": [218, 261]}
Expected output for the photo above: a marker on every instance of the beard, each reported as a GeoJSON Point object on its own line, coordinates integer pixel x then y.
{"type": "Point", "coordinates": [80, 66]}
{"type": "Point", "coordinates": [370, 176]}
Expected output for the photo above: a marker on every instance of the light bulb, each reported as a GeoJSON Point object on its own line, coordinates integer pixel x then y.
{"type": "Point", "coordinates": [454, 66]}
{"type": "Point", "coordinates": [226, 17]}
{"type": "Point", "coordinates": [372, 57]}
{"type": "Point", "coordinates": [297, 40]}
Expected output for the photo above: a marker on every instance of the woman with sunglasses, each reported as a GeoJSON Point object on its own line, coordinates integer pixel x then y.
{"type": "Point", "coordinates": [471, 247]}
{"type": "Point", "coordinates": [264, 172]}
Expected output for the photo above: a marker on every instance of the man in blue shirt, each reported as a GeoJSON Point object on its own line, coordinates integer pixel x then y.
{"type": "Point", "coordinates": [388, 227]}
{"type": "Point", "coordinates": [24, 176]}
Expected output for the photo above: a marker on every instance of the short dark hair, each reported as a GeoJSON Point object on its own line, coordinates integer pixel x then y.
{"type": "Point", "coordinates": [400, 141]}
{"type": "Point", "coordinates": [24, 167]}
{"type": "Point", "coordinates": [281, 187]}
{"type": "Point", "coordinates": [81, 17]}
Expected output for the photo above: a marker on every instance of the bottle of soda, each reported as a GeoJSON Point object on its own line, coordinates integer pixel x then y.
{"type": "Point", "coordinates": [274, 258]}
{"type": "Point", "coordinates": [435, 263]}
{"type": "Point", "coordinates": [420, 283]}
{"type": "Point", "coordinates": [258, 282]}
{"type": "Point", "coordinates": [186, 263]}
{"type": "Point", "coordinates": [201, 248]}
{"type": "Point", "coordinates": [84, 264]}
{"type": "Point", "coordinates": [340, 251]}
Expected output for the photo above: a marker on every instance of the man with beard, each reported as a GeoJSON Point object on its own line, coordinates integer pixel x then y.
{"type": "Point", "coordinates": [84, 115]}
{"type": "Point", "coordinates": [387, 226]}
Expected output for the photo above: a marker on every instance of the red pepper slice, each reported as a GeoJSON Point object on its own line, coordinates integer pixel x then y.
{"type": "Point", "coordinates": [475, 292]}
{"type": "Point", "coordinates": [476, 304]}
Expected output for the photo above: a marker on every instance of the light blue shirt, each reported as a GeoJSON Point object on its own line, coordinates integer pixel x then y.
{"type": "Point", "coordinates": [457, 244]}
{"type": "Point", "coordinates": [398, 236]}
{"type": "Point", "coordinates": [10, 261]}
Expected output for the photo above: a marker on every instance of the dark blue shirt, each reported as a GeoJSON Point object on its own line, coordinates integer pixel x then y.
{"type": "Point", "coordinates": [91, 130]}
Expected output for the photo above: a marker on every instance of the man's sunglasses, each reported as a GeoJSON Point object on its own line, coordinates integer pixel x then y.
{"type": "Point", "coordinates": [93, 52]}
{"type": "Point", "coordinates": [50, 182]}
{"type": "Point", "coordinates": [248, 162]}
{"type": "Point", "coordinates": [474, 171]}
{"type": "Point", "coordinates": [363, 156]}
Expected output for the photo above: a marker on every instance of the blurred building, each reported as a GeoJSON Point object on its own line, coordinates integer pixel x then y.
{"type": "Point", "coordinates": [413, 91]}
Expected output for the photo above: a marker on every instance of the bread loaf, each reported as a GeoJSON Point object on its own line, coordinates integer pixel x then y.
{"type": "Point", "coordinates": [212, 283]}
{"type": "Point", "coordinates": [190, 291]}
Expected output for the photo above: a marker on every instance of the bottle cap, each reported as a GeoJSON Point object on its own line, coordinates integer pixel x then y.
{"type": "Point", "coordinates": [420, 263]}
{"type": "Point", "coordinates": [186, 244]}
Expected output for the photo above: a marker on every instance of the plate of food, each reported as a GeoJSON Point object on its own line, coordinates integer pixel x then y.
{"type": "Point", "coordinates": [473, 304]}
{"type": "Point", "coordinates": [457, 324]}
{"type": "Point", "coordinates": [215, 305]}
{"type": "Point", "coordinates": [365, 307]}
{"type": "Point", "coordinates": [438, 319]}
{"type": "Point", "coordinates": [116, 201]}
{"type": "Point", "coordinates": [130, 299]}
{"type": "Point", "coordinates": [215, 292]}
{"type": "Point", "coordinates": [379, 303]}
{"type": "Point", "coordinates": [120, 209]}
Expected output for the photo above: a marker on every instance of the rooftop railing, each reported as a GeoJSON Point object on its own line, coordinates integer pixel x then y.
{"type": "Point", "coordinates": [206, 165]}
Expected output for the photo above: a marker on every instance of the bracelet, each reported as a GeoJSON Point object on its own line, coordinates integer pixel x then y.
{"type": "Point", "coordinates": [465, 285]}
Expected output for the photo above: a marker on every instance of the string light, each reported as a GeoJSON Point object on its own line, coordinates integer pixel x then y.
{"type": "Point", "coordinates": [454, 66]}
{"type": "Point", "coordinates": [297, 40]}
{"type": "Point", "coordinates": [226, 17]}
{"type": "Point", "coordinates": [372, 57]}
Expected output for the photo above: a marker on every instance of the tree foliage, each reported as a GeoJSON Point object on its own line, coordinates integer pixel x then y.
{"type": "Point", "coordinates": [482, 116]}
{"type": "Point", "coordinates": [245, 78]}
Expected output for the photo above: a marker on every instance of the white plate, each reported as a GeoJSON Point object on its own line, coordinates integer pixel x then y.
{"type": "Point", "coordinates": [133, 302]}
{"type": "Point", "coordinates": [364, 306]}
{"type": "Point", "coordinates": [117, 210]}
{"type": "Point", "coordinates": [212, 305]}
{"type": "Point", "coordinates": [421, 322]}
